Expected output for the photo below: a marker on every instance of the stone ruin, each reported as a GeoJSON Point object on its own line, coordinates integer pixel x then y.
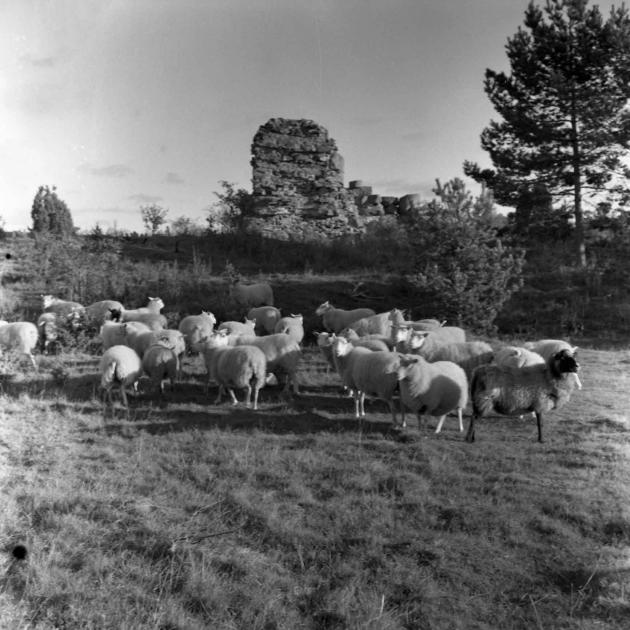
{"type": "Point", "coordinates": [298, 189]}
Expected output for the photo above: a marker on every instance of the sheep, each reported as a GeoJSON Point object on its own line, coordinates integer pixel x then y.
{"type": "Point", "coordinates": [548, 347]}
{"type": "Point", "coordinates": [159, 362]}
{"type": "Point", "coordinates": [249, 295]}
{"type": "Point", "coordinates": [155, 321]}
{"type": "Point", "coordinates": [432, 389]}
{"type": "Point", "coordinates": [153, 307]}
{"type": "Point", "coordinates": [368, 373]}
{"type": "Point", "coordinates": [517, 357]}
{"type": "Point", "coordinates": [21, 337]}
{"type": "Point", "coordinates": [379, 324]}
{"type": "Point", "coordinates": [336, 319]}
{"type": "Point", "coordinates": [235, 367]}
{"type": "Point", "coordinates": [397, 317]}
{"type": "Point", "coordinates": [98, 313]}
{"type": "Point", "coordinates": [47, 327]}
{"type": "Point", "coordinates": [354, 337]}
{"type": "Point", "coordinates": [514, 391]}
{"type": "Point", "coordinates": [140, 340]}
{"type": "Point", "coordinates": [427, 344]}
{"type": "Point", "coordinates": [115, 333]}
{"type": "Point", "coordinates": [282, 353]}
{"type": "Point", "coordinates": [195, 328]}
{"type": "Point", "coordinates": [120, 365]}
{"type": "Point", "coordinates": [292, 326]}
{"type": "Point", "coordinates": [266, 318]}
{"type": "Point", "coordinates": [239, 328]}
{"type": "Point", "coordinates": [467, 354]}
{"type": "Point", "coordinates": [52, 304]}
{"type": "Point", "coordinates": [325, 341]}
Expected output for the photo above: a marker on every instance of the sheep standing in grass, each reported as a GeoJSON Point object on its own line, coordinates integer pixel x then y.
{"type": "Point", "coordinates": [266, 318]}
{"type": "Point", "coordinates": [469, 355]}
{"type": "Point", "coordinates": [238, 328]}
{"type": "Point", "coordinates": [160, 363]}
{"type": "Point", "coordinates": [336, 319]}
{"type": "Point", "coordinates": [325, 341]}
{"type": "Point", "coordinates": [235, 367]}
{"type": "Point", "coordinates": [379, 324]}
{"type": "Point", "coordinates": [283, 355]}
{"type": "Point", "coordinates": [354, 337]}
{"type": "Point", "coordinates": [195, 328]}
{"type": "Point", "coordinates": [368, 373]}
{"type": "Point", "coordinates": [141, 340]}
{"type": "Point", "coordinates": [515, 391]}
{"type": "Point", "coordinates": [292, 326]}
{"type": "Point", "coordinates": [427, 344]}
{"type": "Point", "coordinates": [397, 317]}
{"type": "Point", "coordinates": [548, 347]}
{"type": "Point", "coordinates": [155, 321]}
{"type": "Point", "coordinates": [517, 357]}
{"type": "Point", "coordinates": [432, 389]}
{"type": "Point", "coordinates": [21, 337]}
{"type": "Point", "coordinates": [250, 295]}
{"type": "Point", "coordinates": [115, 333]}
{"type": "Point", "coordinates": [120, 366]}
{"type": "Point", "coordinates": [98, 313]}
{"type": "Point", "coordinates": [64, 308]}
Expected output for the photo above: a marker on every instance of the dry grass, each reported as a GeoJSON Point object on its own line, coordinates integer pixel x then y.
{"type": "Point", "coordinates": [192, 515]}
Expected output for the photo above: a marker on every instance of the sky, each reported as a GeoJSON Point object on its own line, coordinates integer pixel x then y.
{"type": "Point", "coordinates": [126, 103]}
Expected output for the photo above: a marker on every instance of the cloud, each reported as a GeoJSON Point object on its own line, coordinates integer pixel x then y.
{"type": "Point", "coordinates": [173, 178]}
{"type": "Point", "coordinates": [414, 136]}
{"type": "Point", "coordinates": [112, 170]}
{"type": "Point", "coordinates": [403, 186]}
{"type": "Point", "coordinates": [142, 198]}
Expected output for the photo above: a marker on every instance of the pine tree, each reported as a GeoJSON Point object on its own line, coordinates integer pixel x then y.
{"type": "Point", "coordinates": [50, 214]}
{"type": "Point", "coordinates": [565, 122]}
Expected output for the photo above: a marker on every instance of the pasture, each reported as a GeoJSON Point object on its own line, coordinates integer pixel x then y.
{"type": "Point", "coordinates": [192, 515]}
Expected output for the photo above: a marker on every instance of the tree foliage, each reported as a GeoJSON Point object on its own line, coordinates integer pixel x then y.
{"type": "Point", "coordinates": [232, 207]}
{"type": "Point", "coordinates": [50, 214]}
{"type": "Point", "coordinates": [565, 121]}
{"type": "Point", "coordinates": [466, 271]}
{"type": "Point", "coordinates": [153, 217]}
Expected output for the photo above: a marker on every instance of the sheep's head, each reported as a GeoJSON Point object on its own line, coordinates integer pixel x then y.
{"type": "Point", "coordinates": [323, 308]}
{"type": "Point", "coordinates": [405, 365]}
{"type": "Point", "coordinates": [209, 316]}
{"type": "Point", "coordinates": [563, 362]}
{"type": "Point", "coordinates": [299, 318]}
{"type": "Point", "coordinates": [217, 339]}
{"type": "Point", "coordinates": [115, 314]}
{"type": "Point", "coordinates": [397, 316]}
{"type": "Point", "coordinates": [324, 339]}
{"type": "Point", "coordinates": [47, 300]}
{"type": "Point", "coordinates": [417, 339]}
{"type": "Point", "coordinates": [155, 304]}
{"type": "Point", "coordinates": [341, 346]}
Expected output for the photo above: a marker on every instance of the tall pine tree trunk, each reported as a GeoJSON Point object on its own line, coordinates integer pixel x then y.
{"type": "Point", "coordinates": [577, 184]}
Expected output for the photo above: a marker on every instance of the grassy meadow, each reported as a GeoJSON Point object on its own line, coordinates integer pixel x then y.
{"type": "Point", "coordinates": [191, 515]}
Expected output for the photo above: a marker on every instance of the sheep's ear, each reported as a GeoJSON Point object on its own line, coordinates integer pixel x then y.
{"type": "Point", "coordinates": [442, 323]}
{"type": "Point", "coordinates": [574, 349]}
{"type": "Point", "coordinates": [407, 359]}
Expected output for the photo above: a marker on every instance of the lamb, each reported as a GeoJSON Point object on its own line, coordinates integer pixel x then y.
{"type": "Point", "coordinates": [292, 326]}
{"type": "Point", "coordinates": [282, 353]}
{"type": "Point", "coordinates": [155, 321]}
{"type": "Point", "coordinates": [235, 367]}
{"type": "Point", "coordinates": [514, 391]}
{"type": "Point", "coordinates": [368, 373]}
{"type": "Point", "coordinates": [548, 347]}
{"type": "Point", "coordinates": [336, 319]}
{"type": "Point", "coordinates": [239, 328]}
{"type": "Point", "coordinates": [160, 362]}
{"type": "Point", "coordinates": [19, 336]}
{"type": "Point", "coordinates": [195, 328]}
{"type": "Point", "coordinates": [266, 318]}
{"type": "Point", "coordinates": [64, 308]}
{"type": "Point", "coordinates": [249, 295]}
{"type": "Point", "coordinates": [115, 333]}
{"type": "Point", "coordinates": [120, 365]}
{"type": "Point", "coordinates": [98, 313]}
{"type": "Point", "coordinates": [433, 389]}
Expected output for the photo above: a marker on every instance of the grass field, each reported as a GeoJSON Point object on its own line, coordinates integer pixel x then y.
{"type": "Point", "coordinates": [192, 515]}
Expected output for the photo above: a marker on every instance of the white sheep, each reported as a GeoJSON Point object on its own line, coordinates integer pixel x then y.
{"type": "Point", "coordinates": [336, 319]}
{"type": "Point", "coordinates": [247, 327]}
{"type": "Point", "coordinates": [235, 367]}
{"type": "Point", "coordinates": [52, 304]}
{"type": "Point", "coordinates": [249, 295]}
{"type": "Point", "coordinates": [325, 341]}
{"type": "Point", "coordinates": [98, 313]}
{"type": "Point", "coordinates": [517, 357]}
{"type": "Point", "coordinates": [365, 372]}
{"type": "Point", "coordinates": [514, 391]}
{"type": "Point", "coordinates": [424, 343]}
{"type": "Point", "coordinates": [292, 326]}
{"type": "Point", "coordinates": [266, 318]}
{"type": "Point", "coordinates": [48, 332]}
{"type": "Point", "coordinates": [155, 321]}
{"type": "Point", "coordinates": [121, 366]}
{"type": "Point", "coordinates": [159, 363]}
{"type": "Point", "coordinates": [283, 355]}
{"type": "Point", "coordinates": [548, 347]}
{"type": "Point", "coordinates": [196, 327]}
{"type": "Point", "coordinates": [379, 324]}
{"type": "Point", "coordinates": [153, 307]}
{"type": "Point", "coordinates": [469, 355]}
{"type": "Point", "coordinates": [115, 333]}
{"type": "Point", "coordinates": [433, 389]}
{"type": "Point", "coordinates": [397, 318]}
{"type": "Point", "coordinates": [141, 340]}
{"type": "Point", "coordinates": [21, 337]}
{"type": "Point", "coordinates": [354, 337]}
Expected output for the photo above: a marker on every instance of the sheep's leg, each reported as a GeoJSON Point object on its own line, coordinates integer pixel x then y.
{"type": "Point", "coordinates": [357, 409]}
{"type": "Point", "coordinates": [440, 423]}
{"type": "Point", "coordinates": [217, 400]}
{"type": "Point", "coordinates": [362, 403]}
{"type": "Point", "coordinates": [256, 390]}
{"type": "Point", "coordinates": [123, 395]}
{"type": "Point", "coordinates": [403, 422]}
{"type": "Point", "coordinates": [461, 419]}
{"type": "Point", "coordinates": [470, 434]}
{"type": "Point", "coordinates": [248, 395]}
{"type": "Point", "coordinates": [539, 424]}
{"type": "Point", "coordinates": [235, 399]}
{"type": "Point", "coordinates": [32, 358]}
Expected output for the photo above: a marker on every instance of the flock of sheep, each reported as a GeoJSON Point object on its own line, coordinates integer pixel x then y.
{"type": "Point", "coordinates": [422, 366]}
